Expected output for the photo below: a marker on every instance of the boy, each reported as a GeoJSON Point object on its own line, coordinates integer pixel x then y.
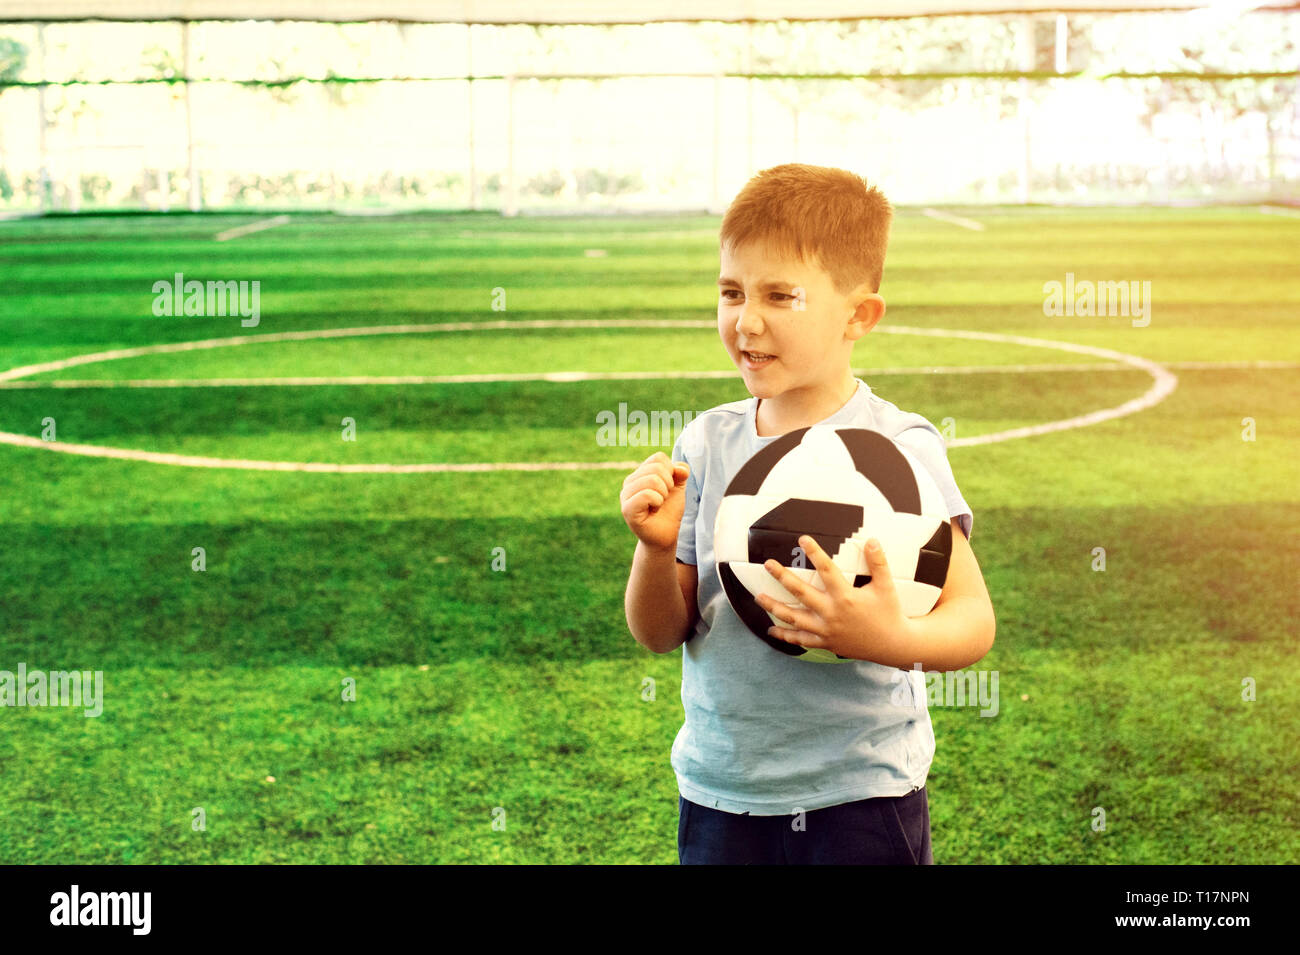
{"type": "Point", "coordinates": [781, 760]}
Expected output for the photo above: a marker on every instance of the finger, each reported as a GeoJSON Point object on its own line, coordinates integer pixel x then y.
{"type": "Point", "coordinates": [639, 507]}
{"type": "Point", "coordinates": [657, 482]}
{"type": "Point", "coordinates": [802, 638]}
{"type": "Point", "coordinates": [656, 463]}
{"type": "Point", "coordinates": [832, 577]}
{"type": "Point", "coordinates": [797, 617]}
{"type": "Point", "coordinates": [681, 472]}
{"type": "Point", "coordinates": [664, 471]}
{"type": "Point", "coordinates": [653, 481]}
{"type": "Point", "coordinates": [647, 499]}
{"type": "Point", "coordinates": [648, 468]}
{"type": "Point", "coordinates": [877, 565]}
{"type": "Point", "coordinates": [807, 595]}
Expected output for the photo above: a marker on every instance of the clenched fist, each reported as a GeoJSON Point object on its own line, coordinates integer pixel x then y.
{"type": "Point", "coordinates": [653, 499]}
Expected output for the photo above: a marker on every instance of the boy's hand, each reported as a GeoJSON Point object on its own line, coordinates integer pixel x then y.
{"type": "Point", "coordinates": [654, 498]}
{"type": "Point", "coordinates": [859, 622]}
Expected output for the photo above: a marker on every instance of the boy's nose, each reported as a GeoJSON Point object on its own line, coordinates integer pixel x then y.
{"type": "Point", "coordinates": [748, 320]}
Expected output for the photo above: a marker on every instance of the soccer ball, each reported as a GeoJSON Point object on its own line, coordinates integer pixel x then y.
{"type": "Point", "coordinates": [842, 487]}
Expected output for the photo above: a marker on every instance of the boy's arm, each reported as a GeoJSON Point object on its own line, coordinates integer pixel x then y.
{"type": "Point", "coordinates": [660, 600]}
{"type": "Point", "coordinates": [959, 630]}
{"type": "Point", "coordinates": [688, 579]}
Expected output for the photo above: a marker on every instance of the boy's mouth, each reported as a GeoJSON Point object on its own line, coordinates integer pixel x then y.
{"type": "Point", "coordinates": [756, 358]}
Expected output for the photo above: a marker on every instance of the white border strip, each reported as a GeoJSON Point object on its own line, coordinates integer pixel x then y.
{"type": "Point", "coordinates": [252, 227]}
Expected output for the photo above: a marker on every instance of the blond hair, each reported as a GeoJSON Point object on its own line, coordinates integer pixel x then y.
{"type": "Point", "coordinates": [817, 212]}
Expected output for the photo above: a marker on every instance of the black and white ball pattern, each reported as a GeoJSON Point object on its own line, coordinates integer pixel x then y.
{"type": "Point", "coordinates": [842, 487]}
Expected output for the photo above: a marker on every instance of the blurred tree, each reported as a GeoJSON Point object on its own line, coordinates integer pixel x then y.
{"type": "Point", "coordinates": [13, 58]}
{"type": "Point", "coordinates": [1238, 46]}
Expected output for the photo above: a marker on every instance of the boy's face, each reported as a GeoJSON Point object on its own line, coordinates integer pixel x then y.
{"type": "Point", "coordinates": [799, 319]}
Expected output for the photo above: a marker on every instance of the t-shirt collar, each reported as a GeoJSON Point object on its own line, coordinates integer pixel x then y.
{"type": "Point", "coordinates": [845, 414]}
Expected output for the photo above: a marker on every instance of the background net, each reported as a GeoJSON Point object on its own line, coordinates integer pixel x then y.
{"type": "Point", "coordinates": [1027, 107]}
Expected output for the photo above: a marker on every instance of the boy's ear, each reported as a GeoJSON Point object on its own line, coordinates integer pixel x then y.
{"type": "Point", "coordinates": [869, 310]}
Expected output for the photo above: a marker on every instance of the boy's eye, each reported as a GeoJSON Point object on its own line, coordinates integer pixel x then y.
{"type": "Point", "coordinates": [776, 295]}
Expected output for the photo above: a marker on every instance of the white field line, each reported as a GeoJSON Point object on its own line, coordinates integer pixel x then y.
{"type": "Point", "coordinates": [252, 227]}
{"type": "Point", "coordinates": [954, 220]}
{"type": "Point", "coordinates": [679, 234]}
{"type": "Point", "coordinates": [193, 461]}
{"type": "Point", "coordinates": [1243, 363]}
{"type": "Point", "coordinates": [262, 339]}
{"type": "Point", "coordinates": [1280, 211]}
{"type": "Point", "coordinates": [1164, 382]}
{"type": "Point", "coordinates": [370, 212]}
{"type": "Point", "coordinates": [576, 376]}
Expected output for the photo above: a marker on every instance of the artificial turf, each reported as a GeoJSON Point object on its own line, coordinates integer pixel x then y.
{"type": "Point", "coordinates": [517, 695]}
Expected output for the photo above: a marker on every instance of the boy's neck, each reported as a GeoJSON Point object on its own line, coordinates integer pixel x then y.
{"type": "Point", "coordinates": [793, 410]}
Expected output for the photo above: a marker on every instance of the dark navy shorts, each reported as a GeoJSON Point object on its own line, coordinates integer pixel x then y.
{"type": "Point", "coordinates": [887, 830]}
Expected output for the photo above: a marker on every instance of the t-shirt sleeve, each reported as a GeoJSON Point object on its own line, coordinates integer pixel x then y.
{"type": "Point", "coordinates": [686, 533]}
{"type": "Point", "coordinates": [928, 445]}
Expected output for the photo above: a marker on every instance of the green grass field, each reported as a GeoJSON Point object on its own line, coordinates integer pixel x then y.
{"type": "Point", "coordinates": [480, 690]}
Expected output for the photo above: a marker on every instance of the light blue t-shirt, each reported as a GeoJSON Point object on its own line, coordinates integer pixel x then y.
{"type": "Point", "coordinates": [767, 733]}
